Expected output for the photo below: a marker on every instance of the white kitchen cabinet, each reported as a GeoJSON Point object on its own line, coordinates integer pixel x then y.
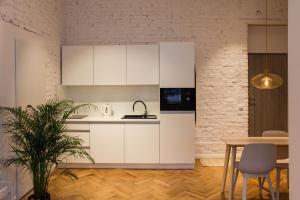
{"type": "Point", "coordinates": [177, 138]}
{"type": "Point", "coordinates": [77, 160]}
{"type": "Point", "coordinates": [142, 143]}
{"type": "Point", "coordinates": [81, 131]}
{"type": "Point", "coordinates": [142, 65]}
{"type": "Point", "coordinates": [78, 127]}
{"type": "Point", "coordinates": [107, 143]}
{"type": "Point", "coordinates": [84, 136]}
{"type": "Point", "coordinates": [77, 65]}
{"type": "Point", "coordinates": [177, 65]}
{"type": "Point", "coordinates": [110, 65]}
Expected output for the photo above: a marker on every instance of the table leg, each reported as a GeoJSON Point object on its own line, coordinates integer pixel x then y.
{"type": "Point", "coordinates": [225, 169]}
{"type": "Point", "coordinates": [233, 160]}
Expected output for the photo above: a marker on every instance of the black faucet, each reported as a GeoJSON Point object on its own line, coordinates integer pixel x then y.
{"type": "Point", "coordinates": [146, 111]}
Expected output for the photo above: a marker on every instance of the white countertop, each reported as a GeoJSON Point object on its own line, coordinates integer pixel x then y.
{"type": "Point", "coordinates": [111, 119]}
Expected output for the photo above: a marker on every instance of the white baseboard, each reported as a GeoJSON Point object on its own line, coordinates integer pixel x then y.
{"type": "Point", "coordinates": [213, 156]}
{"type": "Point", "coordinates": [127, 166]}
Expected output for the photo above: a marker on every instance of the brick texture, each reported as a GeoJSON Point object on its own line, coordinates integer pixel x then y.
{"type": "Point", "coordinates": [41, 17]}
{"type": "Point", "coordinates": [217, 27]}
{"type": "Point", "coordinates": [44, 19]}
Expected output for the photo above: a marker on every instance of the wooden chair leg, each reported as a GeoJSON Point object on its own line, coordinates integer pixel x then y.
{"type": "Point", "coordinates": [288, 178]}
{"type": "Point", "coordinates": [277, 183]}
{"type": "Point", "coordinates": [245, 182]}
{"type": "Point", "coordinates": [236, 177]}
{"type": "Point", "coordinates": [271, 187]}
{"type": "Point", "coordinates": [260, 186]}
{"type": "Point", "coordinates": [263, 181]}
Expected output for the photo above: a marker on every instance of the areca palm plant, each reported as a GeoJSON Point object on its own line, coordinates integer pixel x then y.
{"type": "Point", "coordinates": [39, 141]}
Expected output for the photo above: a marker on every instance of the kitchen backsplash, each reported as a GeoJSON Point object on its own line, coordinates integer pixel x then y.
{"type": "Point", "coordinates": [121, 98]}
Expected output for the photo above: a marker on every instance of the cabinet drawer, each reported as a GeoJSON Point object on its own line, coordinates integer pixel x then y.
{"type": "Point", "coordinates": [71, 159]}
{"type": "Point", "coordinates": [84, 136]}
{"type": "Point", "coordinates": [78, 127]}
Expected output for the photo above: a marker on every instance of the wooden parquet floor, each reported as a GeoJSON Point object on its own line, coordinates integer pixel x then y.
{"type": "Point", "coordinates": [202, 183]}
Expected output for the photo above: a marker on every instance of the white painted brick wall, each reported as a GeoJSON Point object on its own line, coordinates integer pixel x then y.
{"type": "Point", "coordinates": [44, 18]}
{"type": "Point", "coordinates": [41, 17]}
{"type": "Point", "coordinates": [217, 27]}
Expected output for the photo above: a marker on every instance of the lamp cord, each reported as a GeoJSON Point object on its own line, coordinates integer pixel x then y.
{"type": "Point", "coordinates": [266, 67]}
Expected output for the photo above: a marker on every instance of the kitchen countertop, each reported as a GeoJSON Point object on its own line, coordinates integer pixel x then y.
{"type": "Point", "coordinates": [111, 119]}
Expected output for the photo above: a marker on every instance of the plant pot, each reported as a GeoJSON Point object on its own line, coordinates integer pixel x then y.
{"type": "Point", "coordinates": [46, 197]}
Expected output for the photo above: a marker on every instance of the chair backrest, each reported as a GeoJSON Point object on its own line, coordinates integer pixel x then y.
{"type": "Point", "coordinates": [258, 158]}
{"type": "Point", "coordinates": [282, 152]}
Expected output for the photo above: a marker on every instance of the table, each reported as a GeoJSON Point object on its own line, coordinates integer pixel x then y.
{"type": "Point", "coordinates": [231, 146]}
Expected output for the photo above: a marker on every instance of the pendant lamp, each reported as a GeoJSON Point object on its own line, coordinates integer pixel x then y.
{"type": "Point", "coordinates": [266, 80]}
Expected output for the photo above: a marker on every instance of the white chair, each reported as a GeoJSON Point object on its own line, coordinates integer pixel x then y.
{"type": "Point", "coordinates": [282, 158]}
{"type": "Point", "coordinates": [257, 160]}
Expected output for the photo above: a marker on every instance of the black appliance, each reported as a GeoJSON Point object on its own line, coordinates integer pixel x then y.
{"type": "Point", "coordinates": [177, 99]}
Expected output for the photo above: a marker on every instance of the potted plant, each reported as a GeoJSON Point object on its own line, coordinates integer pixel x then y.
{"type": "Point", "coordinates": [39, 141]}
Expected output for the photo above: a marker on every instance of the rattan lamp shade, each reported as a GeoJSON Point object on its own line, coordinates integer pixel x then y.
{"type": "Point", "coordinates": [266, 81]}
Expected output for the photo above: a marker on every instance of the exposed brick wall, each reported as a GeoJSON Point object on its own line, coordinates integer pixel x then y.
{"type": "Point", "coordinates": [43, 18]}
{"type": "Point", "coordinates": [217, 27]}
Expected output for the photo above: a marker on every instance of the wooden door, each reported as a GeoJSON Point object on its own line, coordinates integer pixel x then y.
{"type": "Point", "coordinates": [267, 108]}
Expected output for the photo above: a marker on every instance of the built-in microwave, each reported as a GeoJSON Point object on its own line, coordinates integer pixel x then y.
{"type": "Point", "coordinates": [177, 99]}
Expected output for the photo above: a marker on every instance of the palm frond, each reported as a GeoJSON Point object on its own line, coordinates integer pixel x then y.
{"type": "Point", "coordinates": [39, 141]}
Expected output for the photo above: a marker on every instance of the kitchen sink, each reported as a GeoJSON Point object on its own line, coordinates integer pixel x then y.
{"type": "Point", "coordinates": [139, 117]}
{"type": "Point", "coordinates": [77, 116]}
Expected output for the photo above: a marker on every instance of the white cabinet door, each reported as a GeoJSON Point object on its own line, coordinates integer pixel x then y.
{"type": "Point", "coordinates": [84, 136]}
{"type": "Point", "coordinates": [77, 65]}
{"type": "Point", "coordinates": [107, 143]}
{"type": "Point", "coordinates": [177, 138]}
{"type": "Point", "coordinates": [110, 65]}
{"type": "Point", "coordinates": [142, 65]}
{"type": "Point", "coordinates": [142, 143]}
{"type": "Point", "coordinates": [76, 160]}
{"type": "Point", "coordinates": [177, 65]}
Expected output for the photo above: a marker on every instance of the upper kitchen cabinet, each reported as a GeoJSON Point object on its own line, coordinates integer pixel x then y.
{"type": "Point", "coordinates": [77, 65]}
{"type": "Point", "coordinates": [142, 65]}
{"type": "Point", "coordinates": [110, 65]}
{"type": "Point", "coordinates": [177, 65]}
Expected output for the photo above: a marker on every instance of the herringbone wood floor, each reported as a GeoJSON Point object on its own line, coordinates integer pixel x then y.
{"type": "Point", "coordinates": [203, 183]}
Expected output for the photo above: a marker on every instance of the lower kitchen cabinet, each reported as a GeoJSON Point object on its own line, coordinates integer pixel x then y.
{"type": "Point", "coordinates": [142, 143]}
{"type": "Point", "coordinates": [77, 160]}
{"type": "Point", "coordinates": [84, 136]}
{"type": "Point", "coordinates": [107, 143]}
{"type": "Point", "coordinates": [177, 138]}
{"type": "Point", "coordinates": [81, 131]}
